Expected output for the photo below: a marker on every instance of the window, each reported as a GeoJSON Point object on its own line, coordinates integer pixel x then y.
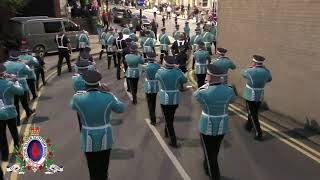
{"type": "Point", "coordinates": [52, 27]}
{"type": "Point", "coordinates": [35, 28]}
{"type": "Point", "coordinates": [204, 3]}
{"type": "Point", "coordinates": [69, 26]}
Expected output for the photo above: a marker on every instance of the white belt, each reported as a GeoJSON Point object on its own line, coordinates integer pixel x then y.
{"type": "Point", "coordinates": [96, 127]}
{"type": "Point", "coordinates": [200, 64]}
{"type": "Point", "coordinates": [205, 114]}
{"type": "Point", "coordinates": [151, 80]}
{"type": "Point", "coordinates": [22, 78]}
{"type": "Point", "coordinates": [132, 68]}
{"type": "Point", "coordinates": [258, 89]}
{"type": "Point", "coordinates": [169, 90]}
{"type": "Point", "coordinates": [164, 45]}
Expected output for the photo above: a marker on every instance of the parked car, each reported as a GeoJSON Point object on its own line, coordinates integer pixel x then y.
{"type": "Point", "coordinates": [145, 20]}
{"type": "Point", "coordinates": [38, 32]}
{"type": "Point", "coordinates": [121, 15]}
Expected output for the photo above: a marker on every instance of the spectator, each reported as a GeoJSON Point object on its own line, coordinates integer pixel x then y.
{"type": "Point", "coordinates": [169, 12]}
{"type": "Point", "coordinates": [154, 27]}
{"type": "Point", "coordinates": [155, 10]}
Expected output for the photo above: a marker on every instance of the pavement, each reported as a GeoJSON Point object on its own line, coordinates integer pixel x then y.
{"type": "Point", "coordinates": [140, 151]}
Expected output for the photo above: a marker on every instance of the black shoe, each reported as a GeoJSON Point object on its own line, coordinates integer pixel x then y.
{"type": "Point", "coordinates": [258, 137]}
{"type": "Point", "coordinates": [205, 168]}
{"type": "Point", "coordinates": [153, 123]}
{"type": "Point", "coordinates": [166, 133]}
{"type": "Point", "coordinates": [44, 84]}
{"type": "Point", "coordinates": [34, 97]}
{"type": "Point", "coordinates": [128, 90]}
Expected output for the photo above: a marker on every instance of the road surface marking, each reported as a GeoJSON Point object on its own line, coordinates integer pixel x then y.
{"type": "Point", "coordinates": [23, 116]}
{"type": "Point", "coordinates": [171, 156]}
{"type": "Point", "coordinates": [278, 136]}
{"type": "Point", "coordinates": [274, 130]}
{"type": "Point", "coordinates": [283, 134]}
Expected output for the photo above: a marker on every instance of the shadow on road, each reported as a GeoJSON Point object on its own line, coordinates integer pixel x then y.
{"type": "Point", "coordinates": [44, 98]}
{"type": "Point", "coordinates": [37, 119]}
{"type": "Point", "coordinates": [121, 154]}
{"type": "Point", "coordinates": [116, 122]}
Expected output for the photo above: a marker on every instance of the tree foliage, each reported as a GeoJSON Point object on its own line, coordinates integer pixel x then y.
{"type": "Point", "coordinates": [13, 5]}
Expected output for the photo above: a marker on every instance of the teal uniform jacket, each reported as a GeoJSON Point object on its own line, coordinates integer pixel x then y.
{"type": "Point", "coordinates": [78, 83]}
{"type": "Point", "coordinates": [151, 85]}
{"type": "Point", "coordinates": [256, 77]}
{"type": "Point", "coordinates": [103, 38]}
{"type": "Point", "coordinates": [32, 62]}
{"type": "Point", "coordinates": [83, 40]}
{"type": "Point", "coordinates": [224, 63]}
{"type": "Point", "coordinates": [202, 58]}
{"type": "Point", "coordinates": [214, 101]}
{"type": "Point", "coordinates": [133, 62]}
{"type": "Point", "coordinates": [164, 42]}
{"type": "Point", "coordinates": [175, 34]}
{"type": "Point", "coordinates": [20, 70]}
{"type": "Point", "coordinates": [186, 30]}
{"type": "Point", "coordinates": [170, 80]}
{"type": "Point", "coordinates": [147, 44]}
{"type": "Point", "coordinates": [109, 40]}
{"type": "Point", "coordinates": [152, 35]}
{"type": "Point", "coordinates": [213, 31]}
{"type": "Point", "coordinates": [207, 38]}
{"type": "Point", "coordinates": [94, 108]}
{"type": "Point", "coordinates": [133, 36]}
{"type": "Point", "coordinates": [194, 41]}
{"type": "Point", "coordinates": [8, 90]}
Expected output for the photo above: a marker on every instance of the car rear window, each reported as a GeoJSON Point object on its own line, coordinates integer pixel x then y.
{"type": "Point", "coordinates": [13, 28]}
{"type": "Point", "coordinates": [52, 27]}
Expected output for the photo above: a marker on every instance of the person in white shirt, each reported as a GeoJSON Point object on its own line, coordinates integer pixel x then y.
{"type": "Point", "coordinates": [169, 12]}
{"type": "Point", "coordinates": [155, 10]}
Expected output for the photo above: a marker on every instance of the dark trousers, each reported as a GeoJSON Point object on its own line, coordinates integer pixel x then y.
{"type": "Point", "coordinates": [1, 174]}
{"type": "Point", "coordinates": [201, 79]}
{"type": "Point", "coordinates": [98, 164]}
{"type": "Point", "coordinates": [155, 15]}
{"type": "Point", "coordinates": [63, 53]}
{"type": "Point", "coordinates": [32, 87]}
{"type": "Point", "coordinates": [133, 87]}
{"type": "Point", "coordinates": [119, 60]}
{"type": "Point", "coordinates": [152, 99]}
{"type": "Point", "coordinates": [164, 23]}
{"type": "Point", "coordinates": [102, 50]}
{"type": "Point", "coordinates": [155, 32]}
{"type": "Point", "coordinates": [253, 116]}
{"type": "Point", "coordinates": [80, 125]}
{"type": "Point", "coordinates": [169, 112]}
{"type": "Point", "coordinates": [162, 55]}
{"type": "Point", "coordinates": [211, 147]}
{"type": "Point", "coordinates": [24, 102]}
{"type": "Point", "coordinates": [12, 125]}
{"type": "Point", "coordinates": [43, 78]}
{"type": "Point", "coordinates": [215, 46]}
{"type": "Point", "coordinates": [110, 56]}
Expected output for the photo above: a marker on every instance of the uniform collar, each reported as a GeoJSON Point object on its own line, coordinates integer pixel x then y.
{"type": "Point", "coordinates": [215, 84]}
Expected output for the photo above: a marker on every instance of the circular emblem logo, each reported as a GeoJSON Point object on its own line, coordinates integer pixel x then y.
{"type": "Point", "coordinates": [35, 151]}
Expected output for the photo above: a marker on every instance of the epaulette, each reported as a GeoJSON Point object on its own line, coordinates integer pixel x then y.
{"type": "Point", "coordinates": [80, 93]}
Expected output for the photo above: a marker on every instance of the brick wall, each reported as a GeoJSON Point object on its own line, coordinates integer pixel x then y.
{"type": "Point", "coordinates": [287, 33]}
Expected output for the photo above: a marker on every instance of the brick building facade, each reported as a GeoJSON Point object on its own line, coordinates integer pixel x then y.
{"type": "Point", "coordinates": [287, 33]}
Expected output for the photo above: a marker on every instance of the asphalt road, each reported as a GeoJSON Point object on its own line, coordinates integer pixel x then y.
{"type": "Point", "coordinates": [140, 154]}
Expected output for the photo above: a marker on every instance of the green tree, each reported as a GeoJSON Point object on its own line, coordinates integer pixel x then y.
{"type": "Point", "coordinates": [14, 5]}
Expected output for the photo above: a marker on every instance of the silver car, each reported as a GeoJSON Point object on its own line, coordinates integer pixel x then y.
{"type": "Point", "coordinates": [38, 32]}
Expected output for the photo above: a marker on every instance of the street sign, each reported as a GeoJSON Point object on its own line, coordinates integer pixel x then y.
{"type": "Point", "coordinates": [140, 4]}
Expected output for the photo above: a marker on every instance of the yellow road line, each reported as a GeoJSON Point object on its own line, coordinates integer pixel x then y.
{"type": "Point", "coordinates": [14, 176]}
{"type": "Point", "coordinates": [275, 132]}
{"type": "Point", "coordinates": [23, 116]}
{"type": "Point", "coordinates": [282, 134]}
{"type": "Point", "coordinates": [280, 137]}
